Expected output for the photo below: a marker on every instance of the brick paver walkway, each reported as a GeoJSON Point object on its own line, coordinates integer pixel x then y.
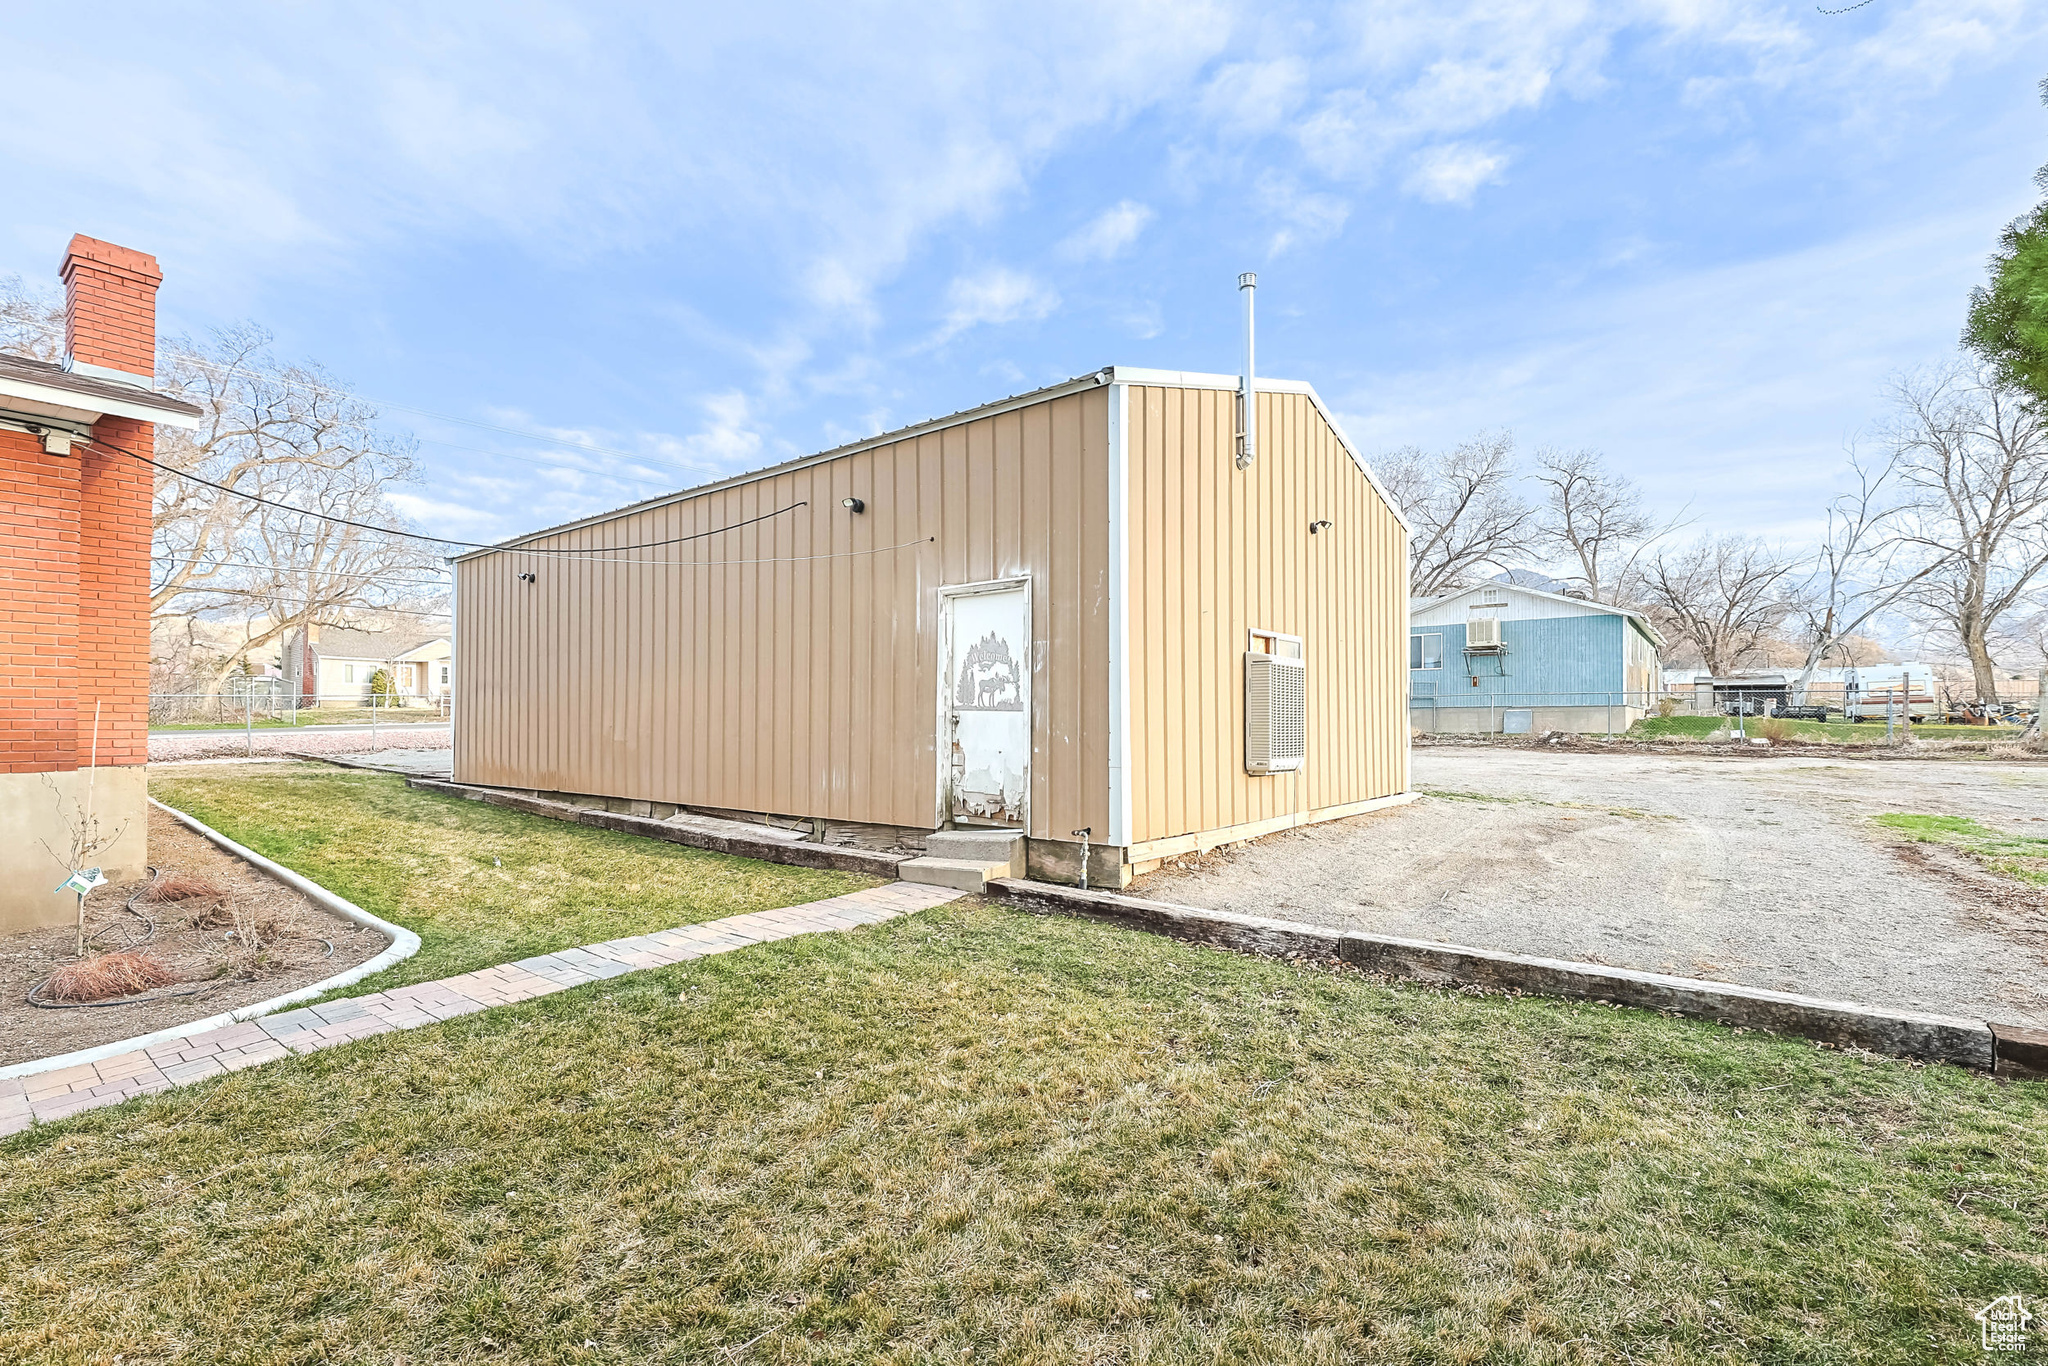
{"type": "Point", "coordinates": [53, 1095]}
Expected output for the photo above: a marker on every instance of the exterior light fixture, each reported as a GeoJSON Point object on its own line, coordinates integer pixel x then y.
{"type": "Point", "coordinates": [526, 578]}
{"type": "Point", "coordinates": [1320, 524]}
{"type": "Point", "coordinates": [853, 505]}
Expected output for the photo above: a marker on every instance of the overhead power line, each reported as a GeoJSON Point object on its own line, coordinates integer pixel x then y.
{"type": "Point", "coordinates": [437, 540]}
{"type": "Point", "coordinates": [298, 569]}
{"type": "Point", "coordinates": [220, 369]}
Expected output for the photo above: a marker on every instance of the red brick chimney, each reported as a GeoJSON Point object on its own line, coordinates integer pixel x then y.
{"type": "Point", "coordinates": [109, 331]}
{"type": "Point", "coordinates": [110, 311]}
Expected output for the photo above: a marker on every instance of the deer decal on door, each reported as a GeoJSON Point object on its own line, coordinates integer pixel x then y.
{"type": "Point", "coordinates": [988, 679]}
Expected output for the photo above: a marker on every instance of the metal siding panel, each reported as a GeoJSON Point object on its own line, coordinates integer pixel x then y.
{"type": "Point", "coordinates": [1216, 551]}
{"type": "Point", "coordinates": [805, 687]}
{"type": "Point", "coordinates": [1059, 612]}
{"type": "Point", "coordinates": [914, 795]}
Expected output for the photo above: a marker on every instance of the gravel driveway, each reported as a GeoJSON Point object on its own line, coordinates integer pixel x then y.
{"type": "Point", "coordinates": [1768, 872]}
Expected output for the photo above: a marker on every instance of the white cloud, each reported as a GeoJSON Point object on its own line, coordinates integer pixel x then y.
{"type": "Point", "coordinates": [1109, 234]}
{"type": "Point", "coordinates": [437, 516]}
{"type": "Point", "coordinates": [1452, 172]}
{"type": "Point", "coordinates": [1144, 323]}
{"type": "Point", "coordinates": [1734, 388]}
{"type": "Point", "coordinates": [728, 441]}
{"type": "Point", "coordinates": [1254, 97]}
{"type": "Point", "coordinates": [994, 296]}
{"type": "Point", "coordinates": [1305, 217]}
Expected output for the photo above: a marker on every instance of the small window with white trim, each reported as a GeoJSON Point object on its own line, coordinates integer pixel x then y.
{"type": "Point", "coordinates": [1426, 650]}
{"type": "Point", "coordinates": [348, 673]}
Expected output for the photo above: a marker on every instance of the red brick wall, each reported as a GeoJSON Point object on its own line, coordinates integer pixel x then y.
{"type": "Point", "coordinates": [39, 585]}
{"type": "Point", "coordinates": [113, 592]}
{"type": "Point", "coordinates": [74, 546]}
{"type": "Point", "coordinates": [110, 305]}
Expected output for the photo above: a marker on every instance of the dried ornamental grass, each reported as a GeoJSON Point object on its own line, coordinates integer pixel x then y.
{"type": "Point", "coordinates": [106, 976]}
{"type": "Point", "coordinates": [203, 900]}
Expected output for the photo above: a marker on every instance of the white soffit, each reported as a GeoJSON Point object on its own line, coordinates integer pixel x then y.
{"type": "Point", "coordinates": [22, 395]}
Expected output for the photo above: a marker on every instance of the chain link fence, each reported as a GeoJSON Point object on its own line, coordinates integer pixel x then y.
{"type": "Point", "coordinates": [268, 703]}
{"type": "Point", "coordinates": [1488, 711]}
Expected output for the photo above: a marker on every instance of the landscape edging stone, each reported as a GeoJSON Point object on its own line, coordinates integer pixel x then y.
{"type": "Point", "coordinates": [404, 944]}
{"type": "Point", "coordinates": [1927, 1038]}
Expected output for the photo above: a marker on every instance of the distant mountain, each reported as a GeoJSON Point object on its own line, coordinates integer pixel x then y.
{"type": "Point", "coordinates": [1542, 583]}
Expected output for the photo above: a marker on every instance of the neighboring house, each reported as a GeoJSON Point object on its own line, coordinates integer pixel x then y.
{"type": "Point", "coordinates": [74, 573]}
{"type": "Point", "coordinates": [1070, 614]}
{"type": "Point", "coordinates": [1510, 659]}
{"type": "Point", "coordinates": [335, 665]}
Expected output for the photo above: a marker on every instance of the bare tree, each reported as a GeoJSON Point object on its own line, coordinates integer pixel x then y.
{"type": "Point", "coordinates": [1859, 571]}
{"type": "Point", "coordinates": [1462, 508]}
{"type": "Point", "coordinates": [288, 435]}
{"type": "Point", "coordinates": [31, 320]}
{"type": "Point", "coordinates": [1973, 467]}
{"type": "Point", "coordinates": [1594, 519]}
{"type": "Point", "coordinates": [1725, 596]}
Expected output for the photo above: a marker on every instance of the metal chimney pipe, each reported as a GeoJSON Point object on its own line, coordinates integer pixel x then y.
{"type": "Point", "coordinates": [1247, 396]}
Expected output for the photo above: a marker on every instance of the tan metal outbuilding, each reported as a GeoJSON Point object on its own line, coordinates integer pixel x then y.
{"type": "Point", "coordinates": [1035, 613]}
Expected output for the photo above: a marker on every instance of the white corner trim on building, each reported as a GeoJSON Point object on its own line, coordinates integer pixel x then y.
{"type": "Point", "coordinates": [1119, 616]}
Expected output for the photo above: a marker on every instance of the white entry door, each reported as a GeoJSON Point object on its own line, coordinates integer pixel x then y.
{"type": "Point", "coordinates": [988, 705]}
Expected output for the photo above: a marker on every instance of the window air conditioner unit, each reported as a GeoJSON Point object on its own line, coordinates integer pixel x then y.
{"type": "Point", "coordinates": [1275, 713]}
{"type": "Point", "coordinates": [1482, 633]}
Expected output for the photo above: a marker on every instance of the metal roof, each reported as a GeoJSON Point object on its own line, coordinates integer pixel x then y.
{"type": "Point", "coordinates": [1424, 604]}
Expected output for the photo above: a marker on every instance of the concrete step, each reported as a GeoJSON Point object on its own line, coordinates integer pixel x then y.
{"type": "Point", "coordinates": [966, 875]}
{"type": "Point", "coordinates": [979, 846]}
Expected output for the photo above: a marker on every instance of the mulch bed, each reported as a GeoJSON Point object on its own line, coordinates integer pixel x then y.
{"type": "Point", "coordinates": [205, 942]}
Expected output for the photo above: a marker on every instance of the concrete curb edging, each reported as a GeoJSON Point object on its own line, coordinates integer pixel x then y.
{"type": "Point", "coordinates": [1927, 1038]}
{"type": "Point", "coordinates": [831, 857]}
{"type": "Point", "coordinates": [404, 944]}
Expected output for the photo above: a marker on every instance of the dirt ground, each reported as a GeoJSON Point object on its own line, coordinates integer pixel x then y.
{"type": "Point", "coordinates": [1765, 871]}
{"type": "Point", "coordinates": [292, 937]}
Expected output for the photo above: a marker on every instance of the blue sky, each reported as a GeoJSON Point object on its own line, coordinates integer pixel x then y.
{"type": "Point", "coordinates": [1699, 236]}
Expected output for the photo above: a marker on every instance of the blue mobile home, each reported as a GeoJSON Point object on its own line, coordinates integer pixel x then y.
{"type": "Point", "coordinates": [1499, 658]}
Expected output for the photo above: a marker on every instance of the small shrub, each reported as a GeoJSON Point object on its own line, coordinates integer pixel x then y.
{"type": "Point", "coordinates": [1667, 706]}
{"type": "Point", "coordinates": [246, 949]}
{"type": "Point", "coordinates": [107, 976]}
{"type": "Point", "coordinates": [202, 900]}
{"type": "Point", "coordinates": [185, 887]}
{"type": "Point", "coordinates": [1776, 729]}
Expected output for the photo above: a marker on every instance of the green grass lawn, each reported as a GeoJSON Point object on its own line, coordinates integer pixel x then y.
{"type": "Point", "coordinates": [1845, 732]}
{"type": "Point", "coordinates": [2024, 857]}
{"type": "Point", "coordinates": [978, 1135]}
{"type": "Point", "coordinates": [479, 884]}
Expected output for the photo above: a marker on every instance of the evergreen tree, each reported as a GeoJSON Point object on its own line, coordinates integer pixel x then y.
{"type": "Point", "coordinates": [2008, 324]}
